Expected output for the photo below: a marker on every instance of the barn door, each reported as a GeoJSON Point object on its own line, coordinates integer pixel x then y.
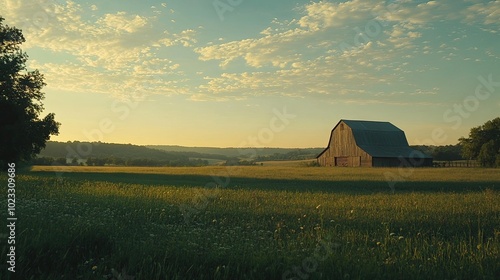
{"type": "Point", "coordinates": [341, 161]}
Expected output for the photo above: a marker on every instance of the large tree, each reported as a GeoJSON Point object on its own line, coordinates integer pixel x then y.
{"type": "Point", "coordinates": [483, 143]}
{"type": "Point", "coordinates": [23, 133]}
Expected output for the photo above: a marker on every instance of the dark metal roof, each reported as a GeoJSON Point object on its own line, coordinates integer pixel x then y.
{"type": "Point", "coordinates": [371, 125]}
{"type": "Point", "coordinates": [382, 139]}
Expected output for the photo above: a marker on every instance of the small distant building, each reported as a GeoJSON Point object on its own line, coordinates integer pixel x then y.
{"type": "Point", "coordinates": [370, 144]}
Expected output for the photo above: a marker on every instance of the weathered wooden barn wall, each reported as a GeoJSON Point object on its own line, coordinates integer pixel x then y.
{"type": "Point", "coordinates": [342, 149]}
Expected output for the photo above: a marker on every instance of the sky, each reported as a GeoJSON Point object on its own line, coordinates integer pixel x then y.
{"type": "Point", "coordinates": [281, 73]}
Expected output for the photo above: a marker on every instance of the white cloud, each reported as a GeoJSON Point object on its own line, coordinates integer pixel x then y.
{"type": "Point", "coordinates": [329, 49]}
{"type": "Point", "coordinates": [256, 52]}
{"type": "Point", "coordinates": [115, 45]}
{"type": "Point", "coordinates": [122, 22]}
{"type": "Point", "coordinates": [487, 13]}
{"type": "Point", "coordinates": [333, 76]}
{"type": "Point", "coordinates": [335, 49]}
{"type": "Point", "coordinates": [323, 15]}
{"type": "Point", "coordinates": [402, 36]}
{"type": "Point", "coordinates": [410, 12]}
{"type": "Point", "coordinates": [388, 102]}
{"type": "Point", "coordinates": [335, 62]}
{"type": "Point", "coordinates": [73, 77]}
{"type": "Point", "coordinates": [349, 26]}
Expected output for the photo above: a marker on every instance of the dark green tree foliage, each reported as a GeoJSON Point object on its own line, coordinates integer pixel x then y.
{"type": "Point", "coordinates": [488, 154]}
{"type": "Point", "coordinates": [483, 143]}
{"type": "Point", "coordinates": [448, 152]}
{"type": "Point", "coordinates": [298, 154]}
{"type": "Point", "coordinates": [22, 132]}
{"type": "Point", "coordinates": [441, 153]}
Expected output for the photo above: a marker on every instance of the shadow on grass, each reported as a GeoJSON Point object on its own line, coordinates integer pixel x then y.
{"type": "Point", "coordinates": [351, 187]}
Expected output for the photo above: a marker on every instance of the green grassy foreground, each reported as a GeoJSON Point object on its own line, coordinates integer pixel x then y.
{"type": "Point", "coordinates": [256, 223]}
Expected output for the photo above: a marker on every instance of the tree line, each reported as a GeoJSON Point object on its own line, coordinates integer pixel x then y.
{"type": "Point", "coordinates": [115, 161]}
{"type": "Point", "coordinates": [298, 154]}
{"type": "Point", "coordinates": [483, 144]}
{"type": "Point", "coordinates": [442, 153]}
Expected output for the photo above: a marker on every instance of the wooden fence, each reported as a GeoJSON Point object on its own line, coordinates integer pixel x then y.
{"type": "Point", "coordinates": [456, 163]}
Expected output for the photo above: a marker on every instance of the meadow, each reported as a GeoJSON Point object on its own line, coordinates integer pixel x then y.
{"type": "Point", "coordinates": [256, 222]}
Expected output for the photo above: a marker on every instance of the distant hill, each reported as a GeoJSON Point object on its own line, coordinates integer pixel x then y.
{"type": "Point", "coordinates": [244, 153]}
{"type": "Point", "coordinates": [103, 150]}
{"type": "Point", "coordinates": [85, 150]}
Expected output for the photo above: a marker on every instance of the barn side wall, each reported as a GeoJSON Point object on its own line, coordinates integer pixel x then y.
{"type": "Point", "coordinates": [343, 151]}
{"type": "Point", "coordinates": [325, 158]}
{"type": "Point", "coordinates": [386, 162]}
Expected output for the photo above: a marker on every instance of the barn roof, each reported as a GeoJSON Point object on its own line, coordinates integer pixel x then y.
{"type": "Point", "coordinates": [371, 125]}
{"type": "Point", "coordinates": [381, 139]}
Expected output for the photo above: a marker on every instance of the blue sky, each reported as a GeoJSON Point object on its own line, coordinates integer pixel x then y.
{"type": "Point", "coordinates": [229, 73]}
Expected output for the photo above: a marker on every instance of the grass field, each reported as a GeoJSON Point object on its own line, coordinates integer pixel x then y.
{"type": "Point", "coordinates": [256, 222]}
{"type": "Point", "coordinates": [288, 163]}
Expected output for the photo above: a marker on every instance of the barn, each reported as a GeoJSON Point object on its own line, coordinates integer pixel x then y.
{"type": "Point", "coordinates": [370, 144]}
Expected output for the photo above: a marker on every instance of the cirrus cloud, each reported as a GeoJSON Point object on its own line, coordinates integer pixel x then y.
{"type": "Point", "coordinates": [109, 47]}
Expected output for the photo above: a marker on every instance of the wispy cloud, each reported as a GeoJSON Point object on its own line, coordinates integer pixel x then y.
{"type": "Point", "coordinates": [345, 45]}
{"type": "Point", "coordinates": [487, 13]}
{"type": "Point", "coordinates": [334, 48]}
{"type": "Point", "coordinates": [324, 48]}
{"type": "Point", "coordinates": [111, 53]}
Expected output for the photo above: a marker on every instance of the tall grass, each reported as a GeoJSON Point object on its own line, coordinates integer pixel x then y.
{"type": "Point", "coordinates": [90, 226]}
